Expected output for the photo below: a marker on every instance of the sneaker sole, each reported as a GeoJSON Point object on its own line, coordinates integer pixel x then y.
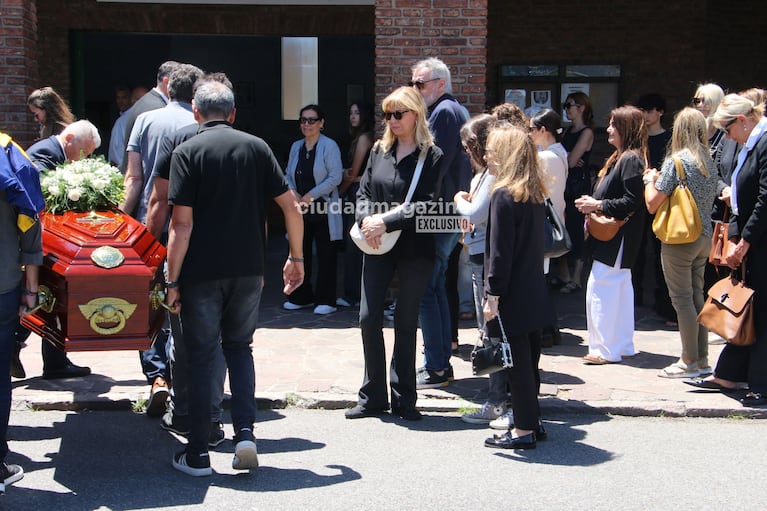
{"type": "Point", "coordinates": [476, 420]}
{"type": "Point", "coordinates": [18, 476]}
{"type": "Point", "coordinates": [195, 472]}
{"type": "Point", "coordinates": [245, 456]}
{"type": "Point", "coordinates": [498, 426]}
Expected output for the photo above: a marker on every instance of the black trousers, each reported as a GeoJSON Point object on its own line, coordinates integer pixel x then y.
{"type": "Point", "coordinates": [524, 377]}
{"type": "Point", "coordinates": [377, 273]}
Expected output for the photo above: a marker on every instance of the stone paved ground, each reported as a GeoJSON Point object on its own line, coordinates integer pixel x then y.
{"type": "Point", "coordinates": [315, 361]}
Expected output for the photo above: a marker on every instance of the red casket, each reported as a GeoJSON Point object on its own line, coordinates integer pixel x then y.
{"type": "Point", "coordinates": [100, 283]}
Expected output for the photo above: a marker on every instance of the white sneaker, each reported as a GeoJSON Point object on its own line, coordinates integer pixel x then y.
{"type": "Point", "coordinates": [324, 309]}
{"type": "Point", "coordinates": [484, 415]}
{"type": "Point", "coordinates": [290, 306]}
{"type": "Point", "coordinates": [503, 422]}
{"type": "Point", "coordinates": [245, 452]}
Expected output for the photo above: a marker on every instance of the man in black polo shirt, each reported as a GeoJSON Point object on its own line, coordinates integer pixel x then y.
{"type": "Point", "coordinates": [220, 183]}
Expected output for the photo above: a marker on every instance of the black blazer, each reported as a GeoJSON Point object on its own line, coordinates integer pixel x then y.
{"type": "Point", "coordinates": [47, 153]}
{"type": "Point", "coordinates": [751, 221]}
{"type": "Point", "coordinates": [514, 263]}
{"type": "Point", "coordinates": [622, 195]}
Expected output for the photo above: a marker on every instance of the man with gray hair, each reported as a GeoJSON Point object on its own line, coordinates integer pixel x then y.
{"type": "Point", "coordinates": [220, 183]}
{"type": "Point", "coordinates": [446, 116]}
{"type": "Point", "coordinates": [77, 141]}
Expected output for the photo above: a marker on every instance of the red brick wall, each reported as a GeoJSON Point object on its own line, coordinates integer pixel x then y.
{"type": "Point", "coordinates": [665, 47]}
{"type": "Point", "coordinates": [18, 67]}
{"type": "Point", "coordinates": [453, 30]}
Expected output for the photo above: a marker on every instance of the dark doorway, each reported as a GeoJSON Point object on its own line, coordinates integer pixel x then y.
{"type": "Point", "coordinates": [253, 63]}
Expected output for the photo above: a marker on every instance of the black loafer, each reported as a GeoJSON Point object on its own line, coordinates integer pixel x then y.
{"type": "Point", "coordinates": [540, 432]}
{"type": "Point", "coordinates": [505, 441]}
{"type": "Point", "coordinates": [754, 399]}
{"type": "Point", "coordinates": [68, 371]}
{"type": "Point", "coordinates": [409, 415]}
{"type": "Point", "coordinates": [704, 384]}
{"type": "Point", "coordinates": [359, 411]}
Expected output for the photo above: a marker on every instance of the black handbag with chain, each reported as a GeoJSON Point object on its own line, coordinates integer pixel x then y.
{"type": "Point", "coordinates": [492, 357]}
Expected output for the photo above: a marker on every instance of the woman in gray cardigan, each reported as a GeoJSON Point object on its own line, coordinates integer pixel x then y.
{"type": "Point", "coordinates": [314, 172]}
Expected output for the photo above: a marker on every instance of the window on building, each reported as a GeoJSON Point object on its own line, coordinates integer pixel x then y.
{"type": "Point", "coordinates": [299, 74]}
{"type": "Point", "coordinates": [534, 87]}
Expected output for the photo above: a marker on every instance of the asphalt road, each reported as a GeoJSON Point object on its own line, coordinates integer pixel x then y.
{"type": "Point", "coordinates": [315, 459]}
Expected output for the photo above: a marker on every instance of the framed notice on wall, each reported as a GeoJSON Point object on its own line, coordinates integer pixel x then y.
{"type": "Point", "coordinates": [538, 86]}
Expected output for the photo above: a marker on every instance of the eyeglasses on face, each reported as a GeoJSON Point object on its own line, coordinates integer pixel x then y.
{"type": "Point", "coordinates": [397, 114]}
{"type": "Point", "coordinates": [309, 120]}
{"type": "Point", "coordinates": [698, 101]}
{"type": "Point", "coordinates": [570, 105]}
{"type": "Point", "coordinates": [726, 128]}
{"type": "Point", "coordinates": [420, 83]}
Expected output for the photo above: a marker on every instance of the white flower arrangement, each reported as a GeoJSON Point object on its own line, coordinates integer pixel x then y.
{"type": "Point", "coordinates": [90, 184]}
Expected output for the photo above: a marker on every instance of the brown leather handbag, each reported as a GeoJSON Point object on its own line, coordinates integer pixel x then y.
{"type": "Point", "coordinates": [603, 228]}
{"type": "Point", "coordinates": [728, 311]}
{"type": "Point", "coordinates": [720, 243]}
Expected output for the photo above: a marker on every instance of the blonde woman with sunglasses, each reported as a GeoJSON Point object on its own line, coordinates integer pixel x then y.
{"type": "Point", "coordinates": [385, 182]}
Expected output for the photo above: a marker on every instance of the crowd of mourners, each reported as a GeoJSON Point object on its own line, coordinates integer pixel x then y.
{"type": "Point", "coordinates": [191, 177]}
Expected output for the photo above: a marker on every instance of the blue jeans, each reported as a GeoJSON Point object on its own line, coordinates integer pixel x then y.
{"type": "Point", "coordinates": [434, 315]}
{"type": "Point", "coordinates": [220, 314]}
{"type": "Point", "coordinates": [9, 320]}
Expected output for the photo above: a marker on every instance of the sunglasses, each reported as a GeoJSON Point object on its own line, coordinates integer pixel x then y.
{"type": "Point", "coordinates": [698, 101]}
{"type": "Point", "coordinates": [397, 114]}
{"type": "Point", "coordinates": [420, 83]}
{"type": "Point", "coordinates": [309, 120]}
{"type": "Point", "coordinates": [570, 105]}
{"type": "Point", "coordinates": [726, 128]}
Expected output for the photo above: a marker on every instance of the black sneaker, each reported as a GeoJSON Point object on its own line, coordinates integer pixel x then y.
{"type": "Point", "coordinates": [216, 436]}
{"type": "Point", "coordinates": [431, 379]}
{"type": "Point", "coordinates": [449, 373]}
{"type": "Point", "coordinates": [178, 424]}
{"type": "Point", "coordinates": [196, 465]}
{"type": "Point", "coordinates": [9, 474]}
{"type": "Point", "coordinates": [245, 453]}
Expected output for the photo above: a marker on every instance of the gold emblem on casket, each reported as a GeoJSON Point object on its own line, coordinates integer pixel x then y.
{"type": "Point", "coordinates": [107, 257]}
{"type": "Point", "coordinates": [107, 315]}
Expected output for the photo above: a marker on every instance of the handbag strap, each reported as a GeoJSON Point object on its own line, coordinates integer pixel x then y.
{"type": "Point", "coordinates": [680, 174]}
{"type": "Point", "coordinates": [416, 175]}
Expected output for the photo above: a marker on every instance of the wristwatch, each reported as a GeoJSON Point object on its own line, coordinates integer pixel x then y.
{"type": "Point", "coordinates": [171, 284]}
{"type": "Point", "coordinates": [647, 180]}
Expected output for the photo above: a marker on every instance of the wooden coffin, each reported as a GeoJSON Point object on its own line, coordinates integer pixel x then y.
{"type": "Point", "coordinates": [100, 279]}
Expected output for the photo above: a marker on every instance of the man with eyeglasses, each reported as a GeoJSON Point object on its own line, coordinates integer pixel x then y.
{"type": "Point", "coordinates": [446, 116]}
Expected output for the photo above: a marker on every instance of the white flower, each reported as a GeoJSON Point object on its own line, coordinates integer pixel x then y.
{"type": "Point", "coordinates": [54, 190]}
{"type": "Point", "coordinates": [74, 194]}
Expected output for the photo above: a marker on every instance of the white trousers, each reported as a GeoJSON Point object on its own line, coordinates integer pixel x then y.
{"type": "Point", "coordinates": [610, 311]}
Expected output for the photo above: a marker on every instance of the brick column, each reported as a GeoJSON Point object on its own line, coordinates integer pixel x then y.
{"type": "Point", "coordinates": [18, 68]}
{"type": "Point", "coordinates": [452, 30]}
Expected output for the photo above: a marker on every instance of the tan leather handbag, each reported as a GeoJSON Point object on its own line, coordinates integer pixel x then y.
{"type": "Point", "coordinates": [728, 311]}
{"type": "Point", "coordinates": [720, 243]}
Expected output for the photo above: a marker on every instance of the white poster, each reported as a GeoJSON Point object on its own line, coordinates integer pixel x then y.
{"type": "Point", "coordinates": [539, 100]}
{"type": "Point", "coordinates": [516, 96]}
